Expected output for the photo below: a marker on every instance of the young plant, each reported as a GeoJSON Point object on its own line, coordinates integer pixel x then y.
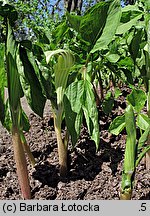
{"type": "Point", "coordinates": [135, 149]}
{"type": "Point", "coordinates": [65, 61]}
{"type": "Point", "coordinates": [73, 100]}
{"type": "Point", "coordinates": [135, 49]}
{"type": "Point", "coordinates": [14, 95]}
{"type": "Point", "coordinates": [12, 115]}
{"type": "Point", "coordinates": [147, 60]}
{"type": "Point", "coordinates": [78, 99]}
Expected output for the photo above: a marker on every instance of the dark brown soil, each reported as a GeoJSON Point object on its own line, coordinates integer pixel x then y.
{"type": "Point", "coordinates": [91, 174]}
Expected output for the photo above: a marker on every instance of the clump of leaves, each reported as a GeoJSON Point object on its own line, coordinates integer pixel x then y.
{"type": "Point", "coordinates": [12, 115]}
{"type": "Point", "coordinates": [72, 102]}
{"type": "Point", "coordinates": [135, 149]}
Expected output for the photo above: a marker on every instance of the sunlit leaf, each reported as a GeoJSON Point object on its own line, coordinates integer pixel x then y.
{"type": "Point", "coordinates": [111, 24]}
{"type": "Point", "coordinates": [91, 24]}
{"type": "Point", "coordinates": [73, 109]}
{"type": "Point", "coordinates": [137, 99]}
{"type": "Point", "coordinates": [29, 76]}
{"type": "Point", "coordinates": [14, 87]}
{"type": "Point", "coordinates": [90, 112]}
{"type": "Point", "coordinates": [79, 98]}
{"type": "Point", "coordinates": [117, 125]}
{"type": "Point", "coordinates": [123, 28]}
{"type": "Point", "coordinates": [143, 121]}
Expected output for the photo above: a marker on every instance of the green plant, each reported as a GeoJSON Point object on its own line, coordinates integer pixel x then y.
{"type": "Point", "coordinates": [12, 115]}
{"type": "Point", "coordinates": [61, 71]}
{"type": "Point", "coordinates": [71, 102]}
{"type": "Point", "coordinates": [147, 75]}
{"type": "Point", "coordinates": [134, 49]}
{"type": "Point", "coordinates": [14, 94]}
{"type": "Point", "coordinates": [78, 99]}
{"type": "Point", "coordinates": [136, 148]}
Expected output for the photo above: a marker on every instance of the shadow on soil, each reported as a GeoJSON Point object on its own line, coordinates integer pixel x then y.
{"type": "Point", "coordinates": [47, 174]}
{"type": "Point", "coordinates": [87, 163]}
{"type": "Point", "coordinates": [83, 163]}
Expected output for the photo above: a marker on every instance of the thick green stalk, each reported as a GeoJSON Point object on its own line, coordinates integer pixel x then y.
{"type": "Point", "coordinates": [21, 164]}
{"type": "Point", "coordinates": [148, 141]}
{"type": "Point", "coordinates": [14, 94]}
{"type": "Point", "coordinates": [61, 72]}
{"type": "Point", "coordinates": [148, 77]}
{"type": "Point", "coordinates": [130, 155]}
{"type": "Point", "coordinates": [62, 146]}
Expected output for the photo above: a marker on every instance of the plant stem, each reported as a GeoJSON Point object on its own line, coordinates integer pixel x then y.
{"type": "Point", "coordinates": [148, 141]}
{"type": "Point", "coordinates": [130, 155]}
{"type": "Point", "coordinates": [100, 85]}
{"type": "Point", "coordinates": [98, 101]}
{"type": "Point", "coordinates": [148, 155]}
{"type": "Point", "coordinates": [148, 92]}
{"type": "Point", "coordinates": [21, 164]}
{"type": "Point", "coordinates": [126, 195]}
{"type": "Point", "coordinates": [62, 147]}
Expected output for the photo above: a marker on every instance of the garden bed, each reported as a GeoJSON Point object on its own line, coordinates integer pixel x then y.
{"type": "Point", "coordinates": [91, 174]}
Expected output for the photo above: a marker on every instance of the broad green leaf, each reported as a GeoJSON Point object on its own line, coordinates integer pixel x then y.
{"type": "Point", "coordinates": [30, 81]}
{"type": "Point", "coordinates": [59, 32]}
{"type": "Point", "coordinates": [73, 100]}
{"type": "Point", "coordinates": [127, 66]}
{"type": "Point", "coordinates": [79, 98]}
{"type": "Point", "coordinates": [14, 86]}
{"type": "Point", "coordinates": [74, 21]}
{"type": "Point", "coordinates": [135, 44]}
{"type": "Point", "coordinates": [126, 62]}
{"type": "Point", "coordinates": [24, 121]}
{"type": "Point", "coordinates": [137, 99]}
{"type": "Point", "coordinates": [2, 67]}
{"type": "Point", "coordinates": [125, 27]}
{"type": "Point", "coordinates": [90, 112]}
{"type": "Point", "coordinates": [113, 58]}
{"type": "Point", "coordinates": [109, 30]}
{"type": "Point", "coordinates": [129, 12]}
{"type": "Point", "coordinates": [143, 121]}
{"type": "Point", "coordinates": [91, 24]}
{"type": "Point", "coordinates": [74, 93]}
{"type": "Point", "coordinates": [117, 125]}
